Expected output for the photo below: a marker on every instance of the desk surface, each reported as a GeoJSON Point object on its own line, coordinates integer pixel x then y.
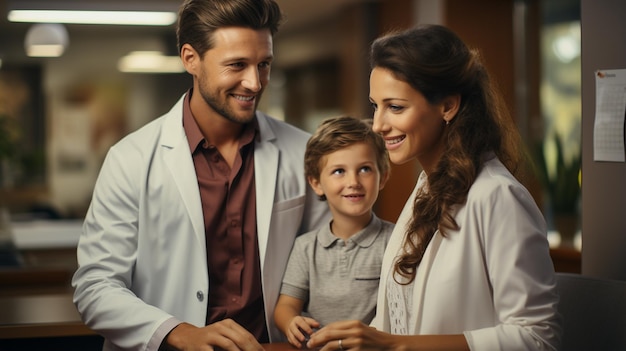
{"type": "Point", "coordinates": [40, 316]}
{"type": "Point", "coordinates": [279, 346]}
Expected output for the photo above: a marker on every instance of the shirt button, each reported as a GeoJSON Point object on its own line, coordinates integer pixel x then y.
{"type": "Point", "coordinates": [200, 295]}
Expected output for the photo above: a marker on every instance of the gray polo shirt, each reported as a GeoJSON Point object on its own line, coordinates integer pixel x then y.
{"type": "Point", "coordinates": [337, 280]}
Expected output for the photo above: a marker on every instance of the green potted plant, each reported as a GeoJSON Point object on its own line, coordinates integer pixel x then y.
{"type": "Point", "coordinates": [563, 189]}
{"type": "Point", "coordinates": [8, 148]}
{"type": "Point", "coordinates": [7, 137]}
{"type": "Point", "coordinates": [8, 145]}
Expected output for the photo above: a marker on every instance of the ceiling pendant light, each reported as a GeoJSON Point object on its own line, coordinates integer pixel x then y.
{"type": "Point", "coordinates": [46, 40]}
{"type": "Point", "coordinates": [99, 12]}
{"type": "Point", "coordinates": [139, 18]}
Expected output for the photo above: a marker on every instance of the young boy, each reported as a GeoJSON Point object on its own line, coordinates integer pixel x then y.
{"type": "Point", "coordinates": [333, 272]}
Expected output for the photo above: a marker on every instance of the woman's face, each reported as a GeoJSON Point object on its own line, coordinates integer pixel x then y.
{"type": "Point", "coordinates": [411, 126]}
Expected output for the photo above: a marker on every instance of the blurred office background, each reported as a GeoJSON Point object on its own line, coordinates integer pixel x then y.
{"type": "Point", "coordinates": [59, 115]}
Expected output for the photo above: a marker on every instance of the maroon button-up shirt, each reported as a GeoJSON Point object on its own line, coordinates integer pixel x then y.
{"type": "Point", "coordinates": [229, 209]}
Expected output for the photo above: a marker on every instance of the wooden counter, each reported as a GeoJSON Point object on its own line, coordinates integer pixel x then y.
{"type": "Point", "coordinates": [566, 259]}
{"type": "Point", "coordinates": [279, 346]}
{"type": "Point", "coordinates": [44, 322]}
{"type": "Point", "coordinates": [36, 316]}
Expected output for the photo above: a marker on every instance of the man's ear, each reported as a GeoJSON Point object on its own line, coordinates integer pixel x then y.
{"type": "Point", "coordinates": [190, 58]}
{"type": "Point", "coordinates": [451, 105]}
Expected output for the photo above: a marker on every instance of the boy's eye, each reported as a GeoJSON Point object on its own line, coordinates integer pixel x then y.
{"type": "Point", "coordinates": [366, 169]}
{"type": "Point", "coordinates": [338, 171]}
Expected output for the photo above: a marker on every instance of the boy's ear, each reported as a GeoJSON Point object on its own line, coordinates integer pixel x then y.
{"type": "Point", "coordinates": [315, 184]}
{"type": "Point", "coordinates": [383, 180]}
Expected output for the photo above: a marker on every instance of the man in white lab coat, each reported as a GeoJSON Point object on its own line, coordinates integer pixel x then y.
{"type": "Point", "coordinates": [193, 216]}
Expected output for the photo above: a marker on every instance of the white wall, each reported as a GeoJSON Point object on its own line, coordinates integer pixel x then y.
{"type": "Point", "coordinates": [90, 106]}
{"type": "Point", "coordinates": [603, 183]}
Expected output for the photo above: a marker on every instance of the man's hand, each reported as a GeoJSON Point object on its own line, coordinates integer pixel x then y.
{"type": "Point", "coordinates": [225, 335]}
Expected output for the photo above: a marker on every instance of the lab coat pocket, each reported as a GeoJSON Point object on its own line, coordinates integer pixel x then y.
{"type": "Point", "coordinates": [284, 225]}
{"type": "Point", "coordinates": [296, 203]}
{"type": "Point", "coordinates": [286, 218]}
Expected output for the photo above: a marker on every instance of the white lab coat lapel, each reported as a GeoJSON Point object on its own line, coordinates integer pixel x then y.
{"type": "Point", "coordinates": [393, 250]}
{"type": "Point", "coordinates": [266, 157]}
{"type": "Point", "coordinates": [421, 279]}
{"type": "Point", "coordinates": [177, 156]}
{"type": "Point", "coordinates": [395, 245]}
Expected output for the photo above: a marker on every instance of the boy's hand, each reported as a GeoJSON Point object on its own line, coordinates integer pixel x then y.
{"type": "Point", "coordinates": [299, 330]}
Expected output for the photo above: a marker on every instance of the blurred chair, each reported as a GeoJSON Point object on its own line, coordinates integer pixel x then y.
{"type": "Point", "coordinates": [594, 312]}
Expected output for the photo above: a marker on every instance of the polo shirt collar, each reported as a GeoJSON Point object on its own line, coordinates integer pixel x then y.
{"type": "Point", "coordinates": [364, 238]}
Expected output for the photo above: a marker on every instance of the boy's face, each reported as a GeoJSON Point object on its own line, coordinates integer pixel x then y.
{"type": "Point", "coordinates": [350, 180]}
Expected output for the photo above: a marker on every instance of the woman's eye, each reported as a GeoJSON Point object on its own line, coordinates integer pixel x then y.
{"type": "Point", "coordinates": [395, 108]}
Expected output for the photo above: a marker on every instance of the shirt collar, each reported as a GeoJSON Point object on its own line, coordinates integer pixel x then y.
{"type": "Point", "coordinates": [364, 238]}
{"type": "Point", "coordinates": [194, 135]}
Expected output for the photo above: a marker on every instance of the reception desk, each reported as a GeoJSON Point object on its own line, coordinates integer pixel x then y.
{"type": "Point", "coordinates": [279, 346]}
{"type": "Point", "coordinates": [44, 322]}
{"type": "Point", "coordinates": [40, 316]}
{"type": "Point", "coordinates": [51, 322]}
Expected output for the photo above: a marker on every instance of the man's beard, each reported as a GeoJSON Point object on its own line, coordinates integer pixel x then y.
{"type": "Point", "coordinates": [226, 111]}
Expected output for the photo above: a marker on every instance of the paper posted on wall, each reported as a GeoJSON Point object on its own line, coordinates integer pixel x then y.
{"type": "Point", "coordinates": [608, 132]}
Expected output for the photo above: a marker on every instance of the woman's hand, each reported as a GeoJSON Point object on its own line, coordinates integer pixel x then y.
{"type": "Point", "coordinates": [356, 336]}
{"type": "Point", "coordinates": [349, 335]}
{"type": "Point", "coordinates": [299, 329]}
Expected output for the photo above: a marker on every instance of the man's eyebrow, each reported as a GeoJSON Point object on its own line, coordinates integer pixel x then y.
{"type": "Point", "coordinates": [242, 58]}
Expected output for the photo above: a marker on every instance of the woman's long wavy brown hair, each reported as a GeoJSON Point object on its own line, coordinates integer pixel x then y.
{"type": "Point", "coordinates": [438, 64]}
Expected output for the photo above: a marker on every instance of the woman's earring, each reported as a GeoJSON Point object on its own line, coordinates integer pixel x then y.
{"type": "Point", "coordinates": [447, 122]}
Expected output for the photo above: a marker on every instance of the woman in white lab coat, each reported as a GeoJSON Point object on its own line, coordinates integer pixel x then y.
{"type": "Point", "coordinates": [468, 264]}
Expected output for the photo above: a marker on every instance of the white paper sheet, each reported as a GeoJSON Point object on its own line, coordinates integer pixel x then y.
{"type": "Point", "coordinates": [608, 133]}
